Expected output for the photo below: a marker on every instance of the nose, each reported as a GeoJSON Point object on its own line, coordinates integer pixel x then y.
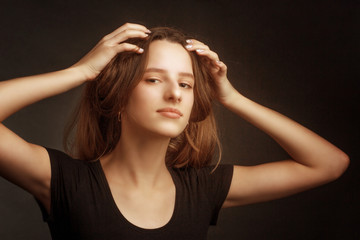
{"type": "Point", "coordinates": [173, 92]}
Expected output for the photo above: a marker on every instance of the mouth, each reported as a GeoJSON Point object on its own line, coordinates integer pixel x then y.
{"type": "Point", "coordinates": [170, 112]}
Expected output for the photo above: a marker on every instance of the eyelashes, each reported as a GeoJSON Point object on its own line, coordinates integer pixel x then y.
{"type": "Point", "coordinates": [152, 80]}
{"type": "Point", "coordinates": [185, 85]}
{"type": "Point", "coordinates": [181, 84]}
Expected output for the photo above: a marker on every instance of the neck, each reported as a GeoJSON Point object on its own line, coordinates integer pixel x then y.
{"type": "Point", "coordinates": [138, 160]}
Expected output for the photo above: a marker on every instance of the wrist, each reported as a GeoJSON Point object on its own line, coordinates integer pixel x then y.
{"type": "Point", "coordinates": [83, 72]}
{"type": "Point", "coordinates": [229, 98]}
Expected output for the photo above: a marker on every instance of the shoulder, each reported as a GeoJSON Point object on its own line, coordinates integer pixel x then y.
{"type": "Point", "coordinates": [69, 174]}
{"type": "Point", "coordinates": [208, 186]}
{"type": "Point", "coordinates": [58, 157]}
{"type": "Point", "coordinates": [205, 176]}
{"type": "Point", "coordinates": [207, 171]}
{"type": "Point", "coordinates": [66, 168]}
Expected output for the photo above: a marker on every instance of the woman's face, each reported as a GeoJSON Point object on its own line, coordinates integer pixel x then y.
{"type": "Point", "coordinates": [162, 101]}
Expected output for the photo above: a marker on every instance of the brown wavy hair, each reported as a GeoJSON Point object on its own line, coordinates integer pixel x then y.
{"type": "Point", "coordinates": [95, 129]}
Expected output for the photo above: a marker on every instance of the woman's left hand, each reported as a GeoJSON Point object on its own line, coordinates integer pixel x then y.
{"type": "Point", "coordinates": [217, 68]}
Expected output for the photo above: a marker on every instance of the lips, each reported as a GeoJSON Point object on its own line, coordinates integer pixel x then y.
{"type": "Point", "coordinates": [170, 112]}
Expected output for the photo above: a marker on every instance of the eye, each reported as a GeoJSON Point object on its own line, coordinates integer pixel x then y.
{"type": "Point", "coordinates": [185, 85]}
{"type": "Point", "coordinates": [152, 80]}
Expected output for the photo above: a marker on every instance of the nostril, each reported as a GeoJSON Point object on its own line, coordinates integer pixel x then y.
{"type": "Point", "coordinates": [174, 95]}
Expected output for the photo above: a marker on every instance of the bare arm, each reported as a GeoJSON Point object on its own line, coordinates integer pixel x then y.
{"type": "Point", "coordinates": [26, 164]}
{"type": "Point", "coordinates": [314, 161]}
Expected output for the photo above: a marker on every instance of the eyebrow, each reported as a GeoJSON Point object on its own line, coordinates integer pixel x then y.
{"type": "Point", "coordinates": [159, 70]}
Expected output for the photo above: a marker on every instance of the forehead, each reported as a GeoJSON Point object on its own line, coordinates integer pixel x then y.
{"type": "Point", "coordinates": [169, 56]}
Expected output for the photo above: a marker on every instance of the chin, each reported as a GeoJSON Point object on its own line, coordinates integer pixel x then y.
{"type": "Point", "coordinates": [170, 131]}
{"type": "Point", "coordinates": [170, 134]}
{"type": "Point", "coordinates": [163, 127]}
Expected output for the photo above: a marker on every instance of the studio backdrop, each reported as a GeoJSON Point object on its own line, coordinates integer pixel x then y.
{"type": "Point", "coordinates": [296, 57]}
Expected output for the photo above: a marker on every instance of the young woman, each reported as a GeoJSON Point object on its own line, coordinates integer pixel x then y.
{"type": "Point", "coordinates": [144, 136]}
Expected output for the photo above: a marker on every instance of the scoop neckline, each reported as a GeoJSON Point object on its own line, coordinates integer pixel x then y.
{"type": "Point", "coordinates": [117, 211]}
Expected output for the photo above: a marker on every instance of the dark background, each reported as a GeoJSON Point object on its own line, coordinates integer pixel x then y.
{"type": "Point", "coordinates": [298, 57]}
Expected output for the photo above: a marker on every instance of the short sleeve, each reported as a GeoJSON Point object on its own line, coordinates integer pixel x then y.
{"type": "Point", "coordinates": [65, 174]}
{"type": "Point", "coordinates": [216, 185]}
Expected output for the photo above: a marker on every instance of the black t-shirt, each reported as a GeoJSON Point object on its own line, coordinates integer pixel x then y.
{"type": "Point", "coordinates": [82, 206]}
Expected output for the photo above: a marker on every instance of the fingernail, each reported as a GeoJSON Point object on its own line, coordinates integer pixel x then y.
{"type": "Point", "coordinates": [188, 41]}
{"type": "Point", "coordinates": [141, 50]}
{"type": "Point", "coordinates": [188, 46]}
{"type": "Point", "coordinates": [218, 62]}
{"type": "Point", "coordinates": [200, 50]}
{"type": "Point", "coordinates": [148, 31]}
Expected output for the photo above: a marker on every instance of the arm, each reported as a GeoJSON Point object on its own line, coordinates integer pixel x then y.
{"type": "Point", "coordinates": [314, 161]}
{"type": "Point", "coordinates": [26, 164]}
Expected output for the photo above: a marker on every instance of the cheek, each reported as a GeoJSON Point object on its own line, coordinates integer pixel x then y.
{"type": "Point", "coordinates": [190, 104]}
{"type": "Point", "coordinates": [140, 100]}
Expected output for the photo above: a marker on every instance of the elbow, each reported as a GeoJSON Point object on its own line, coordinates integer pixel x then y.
{"type": "Point", "coordinates": [340, 163]}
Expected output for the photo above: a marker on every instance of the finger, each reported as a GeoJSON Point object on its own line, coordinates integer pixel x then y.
{"type": "Point", "coordinates": [222, 67]}
{"type": "Point", "coordinates": [126, 34]}
{"type": "Point", "coordinates": [132, 26]}
{"type": "Point", "coordinates": [196, 45]}
{"type": "Point", "coordinates": [212, 58]}
{"type": "Point", "coordinates": [203, 50]}
{"type": "Point", "coordinates": [127, 47]}
{"type": "Point", "coordinates": [194, 41]}
{"type": "Point", "coordinates": [211, 55]}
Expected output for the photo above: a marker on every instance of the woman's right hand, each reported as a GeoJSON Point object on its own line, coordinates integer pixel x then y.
{"type": "Point", "coordinates": [110, 45]}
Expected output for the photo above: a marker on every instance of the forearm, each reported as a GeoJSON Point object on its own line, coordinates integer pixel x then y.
{"type": "Point", "coordinates": [20, 92]}
{"type": "Point", "coordinates": [303, 145]}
